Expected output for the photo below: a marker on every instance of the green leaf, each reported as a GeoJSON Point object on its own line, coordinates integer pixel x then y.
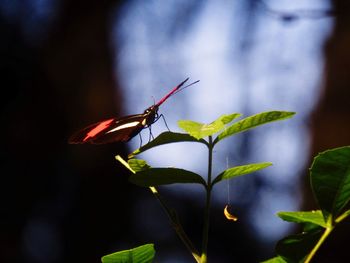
{"type": "Point", "coordinates": [275, 260]}
{"type": "Point", "coordinates": [227, 118]}
{"type": "Point", "coordinates": [295, 248]}
{"type": "Point", "coordinates": [138, 165]}
{"type": "Point", "coordinates": [201, 130]}
{"type": "Point", "coordinates": [330, 180]}
{"type": "Point", "coordinates": [162, 176]}
{"type": "Point", "coordinates": [240, 170]}
{"type": "Point", "coordinates": [308, 226]}
{"type": "Point", "coordinates": [314, 217]}
{"type": "Point", "coordinates": [252, 122]}
{"type": "Point", "coordinates": [141, 254]}
{"type": "Point", "coordinates": [165, 138]}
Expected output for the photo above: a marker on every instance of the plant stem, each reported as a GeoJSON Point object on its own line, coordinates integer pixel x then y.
{"type": "Point", "coordinates": [319, 243]}
{"type": "Point", "coordinates": [175, 223]}
{"type": "Point", "coordinates": [342, 217]}
{"type": "Point", "coordinates": [207, 204]}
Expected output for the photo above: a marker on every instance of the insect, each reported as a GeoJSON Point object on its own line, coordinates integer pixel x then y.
{"type": "Point", "coordinates": [125, 128]}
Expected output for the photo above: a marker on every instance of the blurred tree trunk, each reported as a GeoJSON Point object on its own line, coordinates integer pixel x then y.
{"type": "Point", "coordinates": [331, 120]}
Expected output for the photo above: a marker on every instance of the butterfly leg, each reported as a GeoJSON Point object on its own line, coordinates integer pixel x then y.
{"type": "Point", "coordinates": [161, 115]}
{"type": "Point", "coordinates": [140, 140]}
{"type": "Point", "coordinates": [150, 134]}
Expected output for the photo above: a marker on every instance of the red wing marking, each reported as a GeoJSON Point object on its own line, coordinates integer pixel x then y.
{"type": "Point", "coordinates": [103, 125]}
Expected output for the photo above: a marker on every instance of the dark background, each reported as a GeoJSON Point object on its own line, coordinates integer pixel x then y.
{"type": "Point", "coordinates": [62, 203]}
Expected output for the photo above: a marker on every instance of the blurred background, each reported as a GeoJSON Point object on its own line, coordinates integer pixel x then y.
{"type": "Point", "coordinates": [66, 64]}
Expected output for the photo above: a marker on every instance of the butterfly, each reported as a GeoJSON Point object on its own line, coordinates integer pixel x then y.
{"type": "Point", "coordinates": [125, 128]}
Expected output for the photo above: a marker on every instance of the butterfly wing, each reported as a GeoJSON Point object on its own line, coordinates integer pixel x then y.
{"type": "Point", "coordinates": [111, 130]}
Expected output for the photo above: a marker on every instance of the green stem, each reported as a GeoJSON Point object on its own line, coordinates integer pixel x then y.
{"type": "Point", "coordinates": [175, 223]}
{"type": "Point", "coordinates": [342, 217]}
{"type": "Point", "coordinates": [319, 243]}
{"type": "Point", "coordinates": [207, 204]}
{"type": "Point", "coordinates": [330, 226]}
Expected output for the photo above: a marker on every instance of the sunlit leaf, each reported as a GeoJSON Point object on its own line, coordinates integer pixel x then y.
{"type": "Point", "coordinates": [162, 176]}
{"type": "Point", "coordinates": [227, 118]}
{"type": "Point", "coordinates": [165, 138]}
{"type": "Point", "coordinates": [138, 165]}
{"type": "Point", "coordinates": [141, 254]}
{"type": "Point", "coordinates": [330, 180]}
{"type": "Point", "coordinates": [253, 121]}
{"type": "Point", "coordinates": [201, 130]}
{"type": "Point", "coordinates": [240, 170]}
{"type": "Point", "coordinates": [314, 217]}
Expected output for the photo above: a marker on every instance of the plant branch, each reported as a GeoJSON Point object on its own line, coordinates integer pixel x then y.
{"type": "Point", "coordinates": [325, 234]}
{"type": "Point", "coordinates": [342, 217]}
{"type": "Point", "coordinates": [174, 221]}
{"type": "Point", "coordinates": [207, 204]}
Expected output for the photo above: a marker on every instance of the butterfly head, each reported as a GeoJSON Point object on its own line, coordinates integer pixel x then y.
{"type": "Point", "coordinates": [153, 109]}
{"type": "Point", "coordinates": [151, 115]}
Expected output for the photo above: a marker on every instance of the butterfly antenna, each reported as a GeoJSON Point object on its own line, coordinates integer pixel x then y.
{"type": "Point", "coordinates": [175, 90]}
{"type": "Point", "coordinates": [186, 87]}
